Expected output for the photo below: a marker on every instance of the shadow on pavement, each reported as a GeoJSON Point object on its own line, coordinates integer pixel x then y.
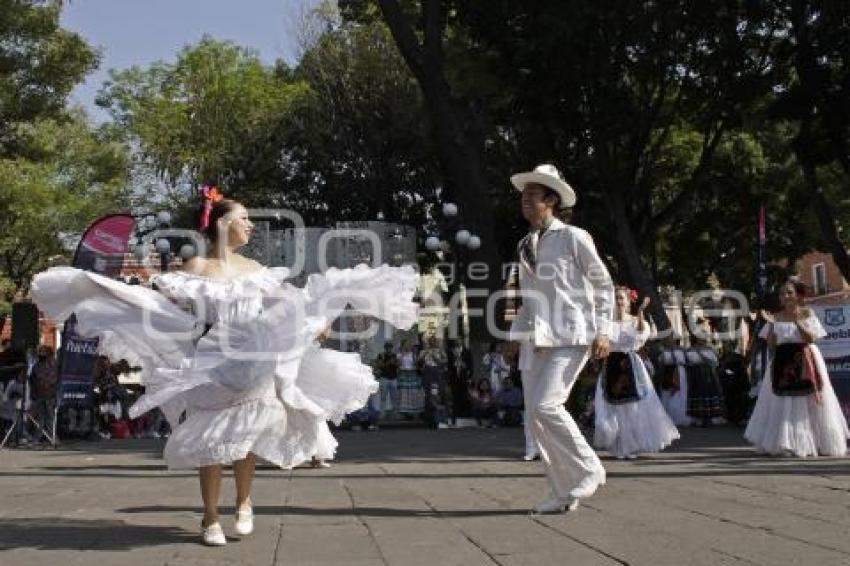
{"type": "Point", "coordinates": [59, 533]}
{"type": "Point", "coordinates": [282, 511]}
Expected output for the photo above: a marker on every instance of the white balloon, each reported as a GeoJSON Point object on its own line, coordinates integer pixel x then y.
{"type": "Point", "coordinates": [462, 237]}
{"type": "Point", "coordinates": [141, 252]}
{"type": "Point", "coordinates": [187, 251]}
{"type": "Point", "coordinates": [474, 243]}
{"type": "Point", "coordinates": [449, 209]}
{"type": "Point", "coordinates": [432, 243]}
{"type": "Point", "coordinates": [163, 217]}
{"type": "Point", "coordinates": [163, 246]}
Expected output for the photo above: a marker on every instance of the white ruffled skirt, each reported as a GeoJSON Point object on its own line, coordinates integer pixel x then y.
{"type": "Point", "coordinates": [799, 425]}
{"type": "Point", "coordinates": [275, 401]}
{"type": "Point", "coordinates": [221, 426]}
{"type": "Point", "coordinates": [675, 403]}
{"type": "Point", "coordinates": [640, 426]}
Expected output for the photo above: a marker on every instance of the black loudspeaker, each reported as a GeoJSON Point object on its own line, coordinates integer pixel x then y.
{"type": "Point", "coordinates": [24, 326]}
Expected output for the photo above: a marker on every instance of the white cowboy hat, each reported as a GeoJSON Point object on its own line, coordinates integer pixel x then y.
{"type": "Point", "coordinates": [548, 176]}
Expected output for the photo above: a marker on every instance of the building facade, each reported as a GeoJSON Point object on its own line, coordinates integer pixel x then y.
{"type": "Point", "coordinates": [821, 275]}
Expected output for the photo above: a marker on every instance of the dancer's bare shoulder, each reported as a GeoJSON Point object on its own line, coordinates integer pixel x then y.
{"type": "Point", "coordinates": [246, 266]}
{"type": "Point", "coordinates": [195, 265]}
{"type": "Point", "coordinates": [214, 268]}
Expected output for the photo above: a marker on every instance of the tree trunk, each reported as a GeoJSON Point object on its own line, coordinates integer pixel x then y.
{"type": "Point", "coordinates": [629, 259]}
{"type": "Point", "coordinates": [460, 147]}
{"type": "Point", "coordinates": [807, 70]}
{"type": "Point", "coordinates": [627, 249]}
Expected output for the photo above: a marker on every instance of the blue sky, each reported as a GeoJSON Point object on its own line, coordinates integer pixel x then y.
{"type": "Point", "coordinates": [139, 32]}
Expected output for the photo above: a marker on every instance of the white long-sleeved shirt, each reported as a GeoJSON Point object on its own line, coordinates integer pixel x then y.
{"type": "Point", "coordinates": [568, 298]}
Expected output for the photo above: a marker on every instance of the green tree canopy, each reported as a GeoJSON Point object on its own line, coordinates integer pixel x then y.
{"type": "Point", "coordinates": [70, 176]}
{"type": "Point", "coordinates": [57, 173]}
{"type": "Point", "coordinates": [212, 116]}
{"type": "Point", "coordinates": [40, 63]}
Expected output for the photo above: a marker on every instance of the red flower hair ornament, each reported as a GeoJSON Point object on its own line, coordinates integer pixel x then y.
{"type": "Point", "coordinates": [210, 195]}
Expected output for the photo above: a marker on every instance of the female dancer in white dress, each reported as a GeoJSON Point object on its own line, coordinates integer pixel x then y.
{"type": "Point", "coordinates": [674, 384]}
{"type": "Point", "coordinates": [629, 417]}
{"type": "Point", "coordinates": [239, 376]}
{"type": "Point", "coordinates": [797, 411]}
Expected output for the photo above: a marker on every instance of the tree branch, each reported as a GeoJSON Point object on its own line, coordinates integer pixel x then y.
{"type": "Point", "coordinates": [644, 137]}
{"type": "Point", "coordinates": [709, 146]}
{"type": "Point", "coordinates": [404, 36]}
{"type": "Point", "coordinates": [432, 24]}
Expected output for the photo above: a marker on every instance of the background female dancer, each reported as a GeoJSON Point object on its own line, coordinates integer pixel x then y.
{"type": "Point", "coordinates": [797, 411]}
{"type": "Point", "coordinates": [629, 417]}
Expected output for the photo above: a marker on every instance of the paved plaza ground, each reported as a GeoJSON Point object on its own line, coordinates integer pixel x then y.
{"type": "Point", "coordinates": [414, 496]}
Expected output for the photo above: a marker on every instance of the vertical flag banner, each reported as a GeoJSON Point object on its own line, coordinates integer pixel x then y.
{"type": "Point", "coordinates": [761, 256]}
{"type": "Point", "coordinates": [101, 250]}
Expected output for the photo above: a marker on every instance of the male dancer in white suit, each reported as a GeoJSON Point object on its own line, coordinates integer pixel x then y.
{"type": "Point", "coordinates": [568, 299]}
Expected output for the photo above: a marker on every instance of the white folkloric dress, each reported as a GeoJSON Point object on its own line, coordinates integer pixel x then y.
{"type": "Point", "coordinates": [674, 385]}
{"type": "Point", "coordinates": [798, 424]}
{"type": "Point", "coordinates": [626, 423]}
{"type": "Point", "coordinates": [233, 363]}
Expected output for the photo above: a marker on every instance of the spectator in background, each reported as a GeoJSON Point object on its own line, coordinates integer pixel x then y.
{"type": "Point", "coordinates": [736, 385]}
{"type": "Point", "coordinates": [483, 403]}
{"type": "Point", "coordinates": [12, 364]}
{"type": "Point", "coordinates": [411, 397]}
{"type": "Point", "coordinates": [386, 370]}
{"type": "Point", "coordinates": [510, 351]}
{"type": "Point", "coordinates": [367, 418]}
{"type": "Point", "coordinates": [44, 382]}
{"type": "Point", "coordinates": [7, 408]}
{"type": "Point", "coordinates": [436, 407]}
{"type": "Point", "coordinates": [509, 404]}
{"type": "Point", "coordinates": [109, 395]}
{"type": "Point", "coordinates": [17, 397]}
{"type": "Point", "coordinates": [460, 376]}
{"type": "Point", "coordinates": [433, 362]}
{"type": "Point", "coordinates": [495, 367]}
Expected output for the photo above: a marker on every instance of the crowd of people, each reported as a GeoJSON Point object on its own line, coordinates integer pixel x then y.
{"type": "Point", "coordinates": [699, 384]}
{"type": "Point", "coordinates": [443, 384]}
{"type": "Point", "coordinates": [29, 402]}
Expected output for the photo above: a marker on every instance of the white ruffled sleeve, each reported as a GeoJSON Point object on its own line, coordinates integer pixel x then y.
{"type": "Point", "coordinates": [384, 292]}
{"type": "Point", "coordinates": [192, 294]}
{"type": "Point", "coordinates": [131, 322]}
{"type": "Point", "coordinates": [813, 327]}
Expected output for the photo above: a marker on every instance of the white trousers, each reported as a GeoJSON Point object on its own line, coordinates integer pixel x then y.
{"type": "Point", "coordinates": [572, 467]}
{"type": "Point", "coordinates": [530, 443]}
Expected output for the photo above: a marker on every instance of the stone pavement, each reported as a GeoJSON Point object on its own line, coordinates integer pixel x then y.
{"type": "Point", "coordinates": [416, 496]}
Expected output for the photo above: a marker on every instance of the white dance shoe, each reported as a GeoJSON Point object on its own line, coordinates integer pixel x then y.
{"type": "Point", "coordinates": [244, 525]}
{"type": "Point", "coordinates": [554, 504]}
{"type": "Point", "coordinates": [213, 535]}
{"type": "Point", "coordinates": [588, 485]}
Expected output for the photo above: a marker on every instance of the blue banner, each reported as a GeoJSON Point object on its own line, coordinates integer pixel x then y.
{"type": "Point", "coordinates": [76, 373]}
{"type": "Point", "coordinates": [835, 348]}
